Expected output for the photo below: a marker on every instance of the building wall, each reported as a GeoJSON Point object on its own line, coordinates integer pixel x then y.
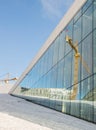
{"type": "Point", "coordinates": [50, 81]}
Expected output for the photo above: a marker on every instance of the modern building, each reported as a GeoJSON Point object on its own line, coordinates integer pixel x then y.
{"type": "Point", "coordinates": [62, 76]}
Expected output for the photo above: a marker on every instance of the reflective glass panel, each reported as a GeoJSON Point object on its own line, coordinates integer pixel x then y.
{"type": "Point", "coordinates": [94, 92]}
{"type": "Point", "coordinates": [68, 71]}
{"type": "Point", "coordinates": [94, 14]}
{"type": "Point", "coordinates": [68, 32]}
{"type": "Point", "coordinates": [77, 31]}
{"type": "Point", "coordinates": [62, 45]}
{"type": "Point", "coordinates": [55, 51]}
{"type": "Point", "coordinates": [75, 100]}
{"type": "Point", "coordinates": [87, 21]}
{"type": "Point", "coordinates": [87, 99]}
{"type": "Point", "coordinates": [86, 5]}
{"type": "Point", "coordinates": [77, 16]}
{"type": "Point", "coordinates": [94, 46]}
{"type": "Point", "coordinates": [87, 57]}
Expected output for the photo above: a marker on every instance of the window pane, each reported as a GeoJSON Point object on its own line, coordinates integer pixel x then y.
{"type": "Point", "coordinates": [50, 57]}
{"type": "Point", "coordinates": [77, 31]}
{"type": "Point", "coordinates": [87, 99]}
{"type": "Point", "coordinates": [75, 70]}
{"type": "Point", "coordinates": [87, 4]}
{"type": "Point", "coordinates": [68, 71]}
{"type": "Point", "coordinates": [75, 100]}
{"type": "Point", "coordinates": [87, 57]}
{"type": "Point", "coordinates": [53, 87]}
{"type": "Point", "coordinates": [54, 77]}
{"type": "Point", "coordinates": [62, 45]}
{"type": "Point", "coordinates": [60, 75]}
{"type": "Point", "coordinates": [87, 22]}
{"type": "Point", "coordinates": [45, 63]}
{"type": "Point", "coordinates": [66, 103]}
{"type": "Point", "coordinates": [77, 16]}
{"type": "Point", "coordinates": [95, 14]}
{"type": "Point", "coordinates": [42, 65]}
{"type": "Point", "coordinates": [60, 86]}
{"type": "Point", "coordinates": [94, 46]}
{"type": "Point", "coordinates": [94, 98]}
{"type": "Point", "coordinates": [69, 32]}
{"type": "Point", "coordinates": [55, 51]}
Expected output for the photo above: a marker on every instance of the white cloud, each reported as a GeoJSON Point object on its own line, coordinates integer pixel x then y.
{"type": "Point", "coordinates": [55, 8]}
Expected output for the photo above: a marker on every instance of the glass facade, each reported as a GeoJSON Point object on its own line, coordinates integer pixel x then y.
{"type": "Point", "coordinates": [51, 81]}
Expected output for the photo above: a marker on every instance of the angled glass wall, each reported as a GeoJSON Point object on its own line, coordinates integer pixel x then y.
{"type": "Point", "coordinates": [52, 80]}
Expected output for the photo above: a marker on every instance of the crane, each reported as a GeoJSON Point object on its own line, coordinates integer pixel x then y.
{"type": "Point", "coordinates": [77, 56]}
{"type": "Point", "coordinates": [8, 79]}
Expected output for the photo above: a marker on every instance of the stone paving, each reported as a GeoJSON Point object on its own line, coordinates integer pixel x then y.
{"type": "Point", "coordinates": [19, 114]}
{"type": "Point", "coordinates": [8, 122]}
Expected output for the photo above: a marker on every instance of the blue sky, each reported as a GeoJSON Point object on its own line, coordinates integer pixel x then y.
{"type": "Point", "coordinates": [24, 27]}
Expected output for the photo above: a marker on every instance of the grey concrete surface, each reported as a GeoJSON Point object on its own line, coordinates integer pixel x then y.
{"type": "Point", "coordinates": [17, 108]}
{"type": "Point", "coordinates": [8, 122]}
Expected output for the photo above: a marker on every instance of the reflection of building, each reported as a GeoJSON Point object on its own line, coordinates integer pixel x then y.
{"type": "Point", "coordinates": [49, 79]}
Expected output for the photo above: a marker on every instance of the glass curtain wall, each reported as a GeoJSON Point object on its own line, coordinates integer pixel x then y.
{"type": "Point", "coordinates": [52, 80]}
